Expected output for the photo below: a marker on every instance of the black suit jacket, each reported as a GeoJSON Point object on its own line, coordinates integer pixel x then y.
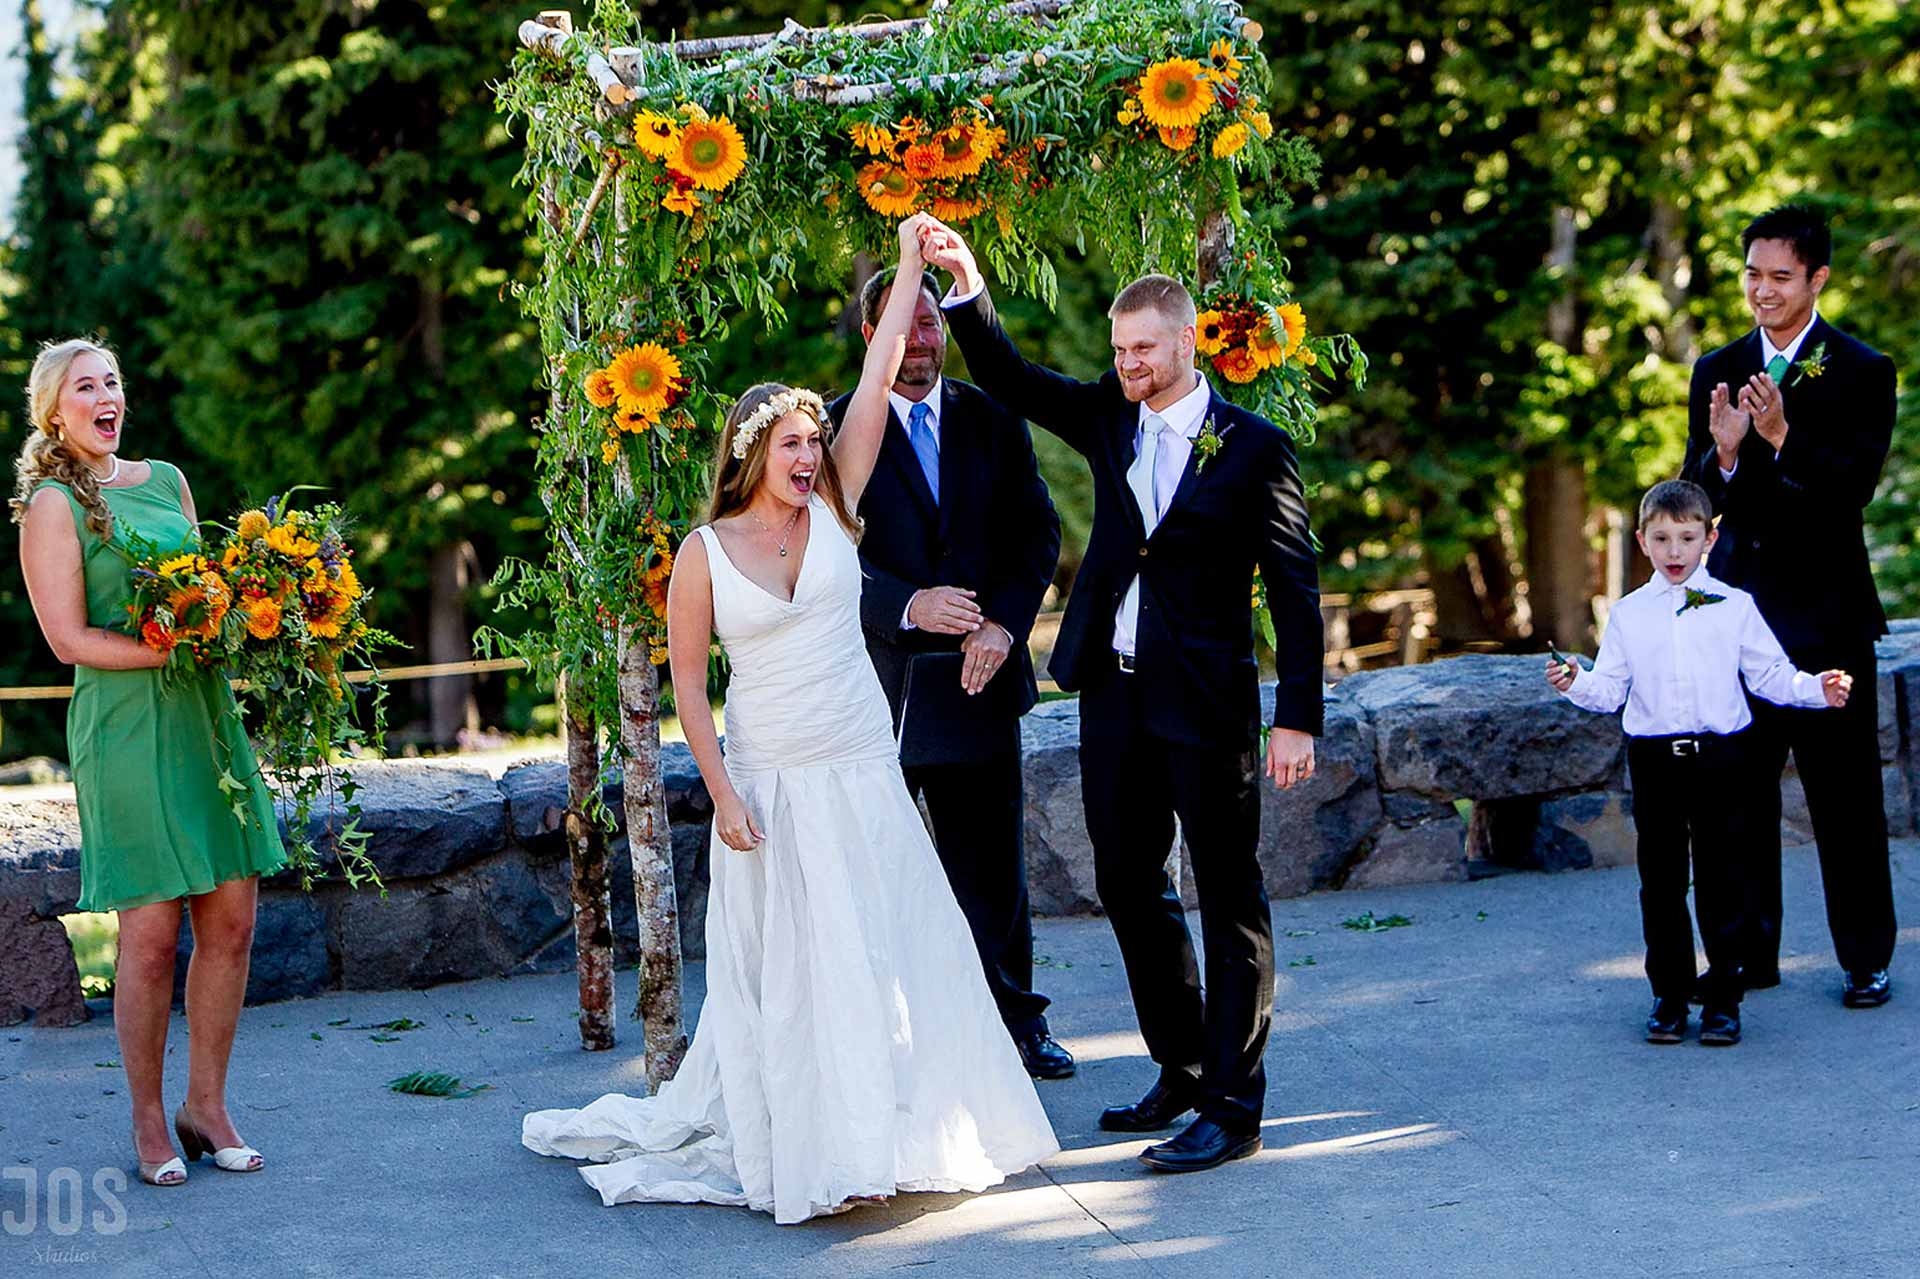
{"type": "Point", "coordinates": [994, 532]}
{"type": "Point", "coordinates": [1791, 529]}
{"type": "Point", "coordinates": [1246, 507]}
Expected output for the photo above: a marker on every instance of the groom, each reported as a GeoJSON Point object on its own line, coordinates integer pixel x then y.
{"type": "Point", "coordinates": [1191, 494]}
{"type": "Point", "coordinates": [960, 546]}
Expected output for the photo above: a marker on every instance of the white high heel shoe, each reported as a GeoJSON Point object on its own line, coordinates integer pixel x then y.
{"type": "Point", "coordinates": [167, 1172]}
{"type": "Point", "coordinates": [226, 1158]}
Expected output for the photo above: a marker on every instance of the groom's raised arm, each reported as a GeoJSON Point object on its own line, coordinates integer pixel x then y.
{"type": "Point", "coordinates": [1066, 406]}
{"type": "Point", "coordinates": [1290, 568]}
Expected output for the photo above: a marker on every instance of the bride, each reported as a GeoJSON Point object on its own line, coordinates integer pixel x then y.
{"type": "Point", "coordinates": [848, 1047]}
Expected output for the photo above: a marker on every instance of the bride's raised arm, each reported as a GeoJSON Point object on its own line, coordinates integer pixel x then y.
{"type": "Point", "coordinates": [856, 445]}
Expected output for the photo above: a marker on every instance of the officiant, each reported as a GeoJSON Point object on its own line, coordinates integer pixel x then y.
{"type": "Point", "coordinates": [960, 545]}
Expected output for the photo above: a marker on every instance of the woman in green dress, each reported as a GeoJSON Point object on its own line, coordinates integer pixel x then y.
{"type": "Point", "coordinates": [155, 830]}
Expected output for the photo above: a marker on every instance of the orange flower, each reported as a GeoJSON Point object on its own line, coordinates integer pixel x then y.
{"type": "Point", "coordinates": [1177, 139]}
{"type": "Point", "coordinates": [157, 637]}
{"type": "Point", "coordinates": [1230, 140]}
{"type": "Point", "coordinates": [924, 160]}
{"type": "Point", "coordinates": [908, 130]}
{"type": "Point", "coordinates": [960, 154]}
{"type": "Point", "coordinates": [1294, 319]}
{"type": "Point", "coordinates": [1267, 350]}
{"type": "Point", "coordinates": [1237, 365]}
{"type": "Point", "coordinates": [1221, 64]}
{"type": "Point", "coordinates": [263, 618]}
{"type": "Point", "coordinates": [643, 377]}
{"type": "Point", "coordinates": [874, 139]}
{"type": "Point", "coordinates": [252, 524]}
{"type": "Point", "coordinates": [889, 190]}
{"type": "Point", "coordinates": [949, 209]}
{"type": "Point", "coordinates": [600, 392]}
{"type": "Point", "coordinates": [685, 203]}
{"type": "Point", "coordinates": [656, 134]}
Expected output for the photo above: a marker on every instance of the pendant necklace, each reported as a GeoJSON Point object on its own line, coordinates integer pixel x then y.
{"type": "Point", "coordinates": [787, 534]}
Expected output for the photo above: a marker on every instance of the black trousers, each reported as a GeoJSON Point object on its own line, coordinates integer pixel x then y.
{"type": "Point", "coordinates": [1691, 797]}
{"type": "Point", "coordinates": [1838, 754]}
{"type": "Point", "coordinates": [1133, 784]}
{"type": "Point", "coordinates": [980, 832]}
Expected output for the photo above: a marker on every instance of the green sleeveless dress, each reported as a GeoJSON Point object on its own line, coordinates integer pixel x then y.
{"type": "Point", "coordinates": [146, 761]}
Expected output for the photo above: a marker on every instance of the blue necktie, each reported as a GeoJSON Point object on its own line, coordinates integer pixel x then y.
{"type": "Point", "coordinates": [1777, 369]}
{"type": "Point", "coordinates": [920, 434]}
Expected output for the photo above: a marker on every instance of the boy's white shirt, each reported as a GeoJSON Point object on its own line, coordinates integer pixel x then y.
{"type": "Point", "coordinates": [1679, 672]}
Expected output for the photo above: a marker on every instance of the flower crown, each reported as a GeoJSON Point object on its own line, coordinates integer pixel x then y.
{"type": "Point", "coordinates": [772, 411]}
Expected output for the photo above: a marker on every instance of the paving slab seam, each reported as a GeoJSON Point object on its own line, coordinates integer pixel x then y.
{"type": "Point", "coordinates": [1129, 1244]}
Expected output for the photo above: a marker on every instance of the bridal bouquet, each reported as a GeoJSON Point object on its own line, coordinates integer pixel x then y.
{"type": "Point", "coordinates": [280, 610]}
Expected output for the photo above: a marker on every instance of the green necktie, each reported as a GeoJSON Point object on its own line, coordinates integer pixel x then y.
{"type": "Point", "coordinates": [1777, 368]}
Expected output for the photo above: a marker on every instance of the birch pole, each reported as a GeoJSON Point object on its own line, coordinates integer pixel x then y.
{"type": "Point", "coordinates": [656, 901]}
{"type": "Point", "coordinates": [592, 894]}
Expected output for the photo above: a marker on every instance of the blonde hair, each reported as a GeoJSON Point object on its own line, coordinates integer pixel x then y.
{"type": "Point", "coordinates": [45, 455]}
{"type": "Point", "coordinates": [736, 478]}
{"type": "Point", "coordinates": [1161, 294]}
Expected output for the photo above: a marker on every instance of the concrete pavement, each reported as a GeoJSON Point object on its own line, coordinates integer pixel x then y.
{"type": "Point", "coordinates": [1467, 1095]}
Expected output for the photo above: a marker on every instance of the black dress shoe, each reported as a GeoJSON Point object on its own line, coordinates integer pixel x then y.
{"type": "Point", "coordinates": [1720, 1027]}
{"type": "Point", "coordinates": [1867, 990]}
{"type": "Point", "coordinates": [1203, 1145]}
{"type": "Point", "coordinates": [1667, 1023]}
{"type": "Point", "coordinates": [1043, 1056]}
{"type": "Point", "coordinates": [1157, 1110]}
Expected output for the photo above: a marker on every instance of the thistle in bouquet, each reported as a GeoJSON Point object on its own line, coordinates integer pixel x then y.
{"type": "Point", "coordinates": [295, 627]}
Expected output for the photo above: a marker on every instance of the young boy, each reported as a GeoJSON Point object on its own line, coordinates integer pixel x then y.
{"type": "Point", "coordinates": [1674, 653]}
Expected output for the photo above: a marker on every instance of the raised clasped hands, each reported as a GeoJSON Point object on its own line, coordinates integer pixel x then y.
{"type": "Point", "coordinates": [1760, 398]}
{"type": "Point", "coordinates": [943, 247]}
{"type": "Point", "coordinates": [913, 236]}
{"type": "Point", "coordinates": [1837, 686]}
{"type": "Point", "coordinates": [1728, 423]}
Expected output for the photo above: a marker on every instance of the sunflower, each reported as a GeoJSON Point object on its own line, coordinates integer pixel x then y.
{"type": "Point", "coordinates": [324, 628]}
{"type": "Point", "coordinates": [643, 376]}
{"type": "Point", "coordinates": [961, 156]}
{"type": "Point", "coordinates": [1294, 320]}
{"type": "Point", "coordinates": [350, 582]}
{"type": "Point", "coordinates": [263, 617]}
{"type": "Point", "coordinates": [1261, 122]}
{"type": "Point", "coordinates": [1210, 333]}
{"type": "Point", "coordinates": [657, 654]}
{"type": "Point", "coordinates": [1174, 95]}
{"type": "Point", "coordinates": [711, 152]}
{"type": "Point", "coordinates": [252, 525]}
{"type": "Point", "coordinates": [1177, 139]}
{"type": "Point", "coordinates": [285, 539]}
{"type": "Point", "coordinates": [889, 190]}
{"type": "Point", "coordinates": [1221, 64]}
{"type": "Point", "coordinates": [1129, 111]}
{"type": "Point", "coordinates": [1236, 364]}
{"type": "Point", "coordinates": [634, 420]}
{"type": "Point", "coordinates": [609, 449]}
{"type": "Point", "coordinates": [874, 139]}
{"type": "Point", "coordinates": [178, 564]}
{"type": "Point", "coordinates": [1229, 141]}
{"type": "Point", "coordinates": [600, 392]}
{"type": "Point", "coordinates": [990, 140]}
{"type": "Point", "coordinates": [231, 556]}
{"type": "Point", "coordinates": [657, 135]}
{"type": "Point", "coordinates": [954, 209]}
{"type": "Point", "coordinates": [685, 203]}
{"type": "Point", "coordinates": [908, 130]}
{"type": "Point", "coordinates": [1267, 350]}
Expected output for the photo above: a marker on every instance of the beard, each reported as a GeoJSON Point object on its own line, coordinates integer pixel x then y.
{"type": "Point", "coordinates": [920, 369]}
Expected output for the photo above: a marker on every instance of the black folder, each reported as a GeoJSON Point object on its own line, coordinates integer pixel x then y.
{"type": "Point", "coordinates": [940, 723]}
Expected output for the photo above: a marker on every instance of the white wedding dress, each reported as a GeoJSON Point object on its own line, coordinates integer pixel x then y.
{"type": "Point", "coordinates": [848, 1045]}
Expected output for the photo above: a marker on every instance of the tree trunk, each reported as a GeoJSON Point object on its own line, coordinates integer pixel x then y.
{"type": "Point", "coordinates": [592, 894]}
{"type": "Point", "coordinates": [656, 906]}
{"type": "Point", "coordinates": [1559, 563]}
{"type": "Point", "coordinates": [450, 702]}
{"type": "Point", "coordinates": [1463, 613]}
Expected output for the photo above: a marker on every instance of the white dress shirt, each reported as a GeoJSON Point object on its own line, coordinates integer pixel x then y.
{"type": "Point", "coordinates": [1183, 419]}
{"type": "Point", "coordinates": [1679, 672]}
{"type": "Point", "coordinates": [1767, 351]}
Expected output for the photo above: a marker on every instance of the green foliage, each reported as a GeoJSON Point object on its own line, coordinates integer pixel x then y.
{"type": "Point", "coordinates": [422, 1083]}
{"type": "Point", "coordinates": [1366, 923]}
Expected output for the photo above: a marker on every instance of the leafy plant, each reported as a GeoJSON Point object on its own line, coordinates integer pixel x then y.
{"type": "Point", "coordinates": [1366, 923]}
{"type": "Point", "coordinates": [422, 1083]}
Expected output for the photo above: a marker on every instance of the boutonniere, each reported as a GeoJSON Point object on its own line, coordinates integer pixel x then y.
{"type": "Point", "coordinates": [1207, 443]}
{"type": "Point", "coordinates": [1698, 599]}
{"type": "Point", "coordinates": [1812, 364]}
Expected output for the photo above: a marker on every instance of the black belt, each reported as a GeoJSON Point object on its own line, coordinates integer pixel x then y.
{"type": "Point", "coordinates": [1124, 661]}
{"type": "Point", "coordinates": [1684, 745]}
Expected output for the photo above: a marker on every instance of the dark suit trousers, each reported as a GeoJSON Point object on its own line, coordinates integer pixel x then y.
{"type": "Point", "coordinates": [980, 833]}
{"type": "Point", "coordinates": [1838, 754]}
{"type": "Point", "coordinates": [1689, 811]}
{"type": "Point", "coordinates": [1133, 784]}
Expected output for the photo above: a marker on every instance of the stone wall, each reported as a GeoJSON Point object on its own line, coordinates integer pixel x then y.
{"type": "Point", "coordinates": [477, 873]}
